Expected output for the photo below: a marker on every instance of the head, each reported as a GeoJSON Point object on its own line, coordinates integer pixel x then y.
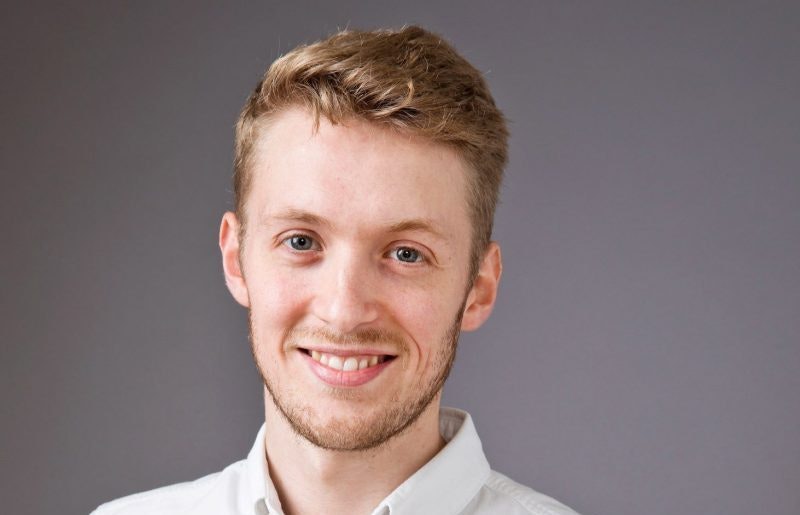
{"type": "Point", "coordinates": [408, 80]}
{"type": "Point", "coordinates": [366, 175]}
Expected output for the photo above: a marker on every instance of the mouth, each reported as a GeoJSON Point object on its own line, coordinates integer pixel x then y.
{"type": "Point", "coordinates": [346, 369]}
{"type": "Point", "coordinates": [347, 363]}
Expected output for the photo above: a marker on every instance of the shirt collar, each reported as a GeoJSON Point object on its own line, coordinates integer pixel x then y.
{"type": "Point", "coordinates": [260, 493]}
{"type": "Point", "coordinates": [446, 484]}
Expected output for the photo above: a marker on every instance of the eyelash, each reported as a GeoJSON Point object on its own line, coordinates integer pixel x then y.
{"type": "Point", "coordinates": [288, 239]}
{"type": "Point", "coordinates": [420, 254]}
{"type": "Point", "coordinates": [421, 257]}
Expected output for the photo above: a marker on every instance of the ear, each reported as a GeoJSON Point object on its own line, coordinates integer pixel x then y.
{"type": "Point", "coordinates": [231, 262]}
{"type": "Point", "coordinates": [480, 300]}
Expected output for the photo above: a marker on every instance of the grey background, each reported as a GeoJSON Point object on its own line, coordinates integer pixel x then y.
{"type": "Point", "coordinates": [643, 357]}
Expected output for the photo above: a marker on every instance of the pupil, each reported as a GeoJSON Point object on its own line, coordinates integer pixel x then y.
{"type": "Point", "coordinates": [300, 242]}
{"type": "Point", "coordinates": [407, 255]}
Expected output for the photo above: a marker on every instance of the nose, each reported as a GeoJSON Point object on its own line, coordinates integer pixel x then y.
{"type": "Point", "coordinates": [346, 297]}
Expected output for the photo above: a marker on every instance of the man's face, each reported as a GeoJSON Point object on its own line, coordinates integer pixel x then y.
{"type": "Point", "coordinates": [355, 270]}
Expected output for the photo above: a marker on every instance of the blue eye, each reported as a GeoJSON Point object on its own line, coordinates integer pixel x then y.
{"type": "Point", "coordinates": [301, 242]}
{"type": "Point", "coordinates": [407, 255]}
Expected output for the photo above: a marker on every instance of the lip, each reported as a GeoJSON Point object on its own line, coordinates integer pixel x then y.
{"type": "Point", "coordinates": [346, 353]}
{"type": "Point", "coordinates": [340, 378]}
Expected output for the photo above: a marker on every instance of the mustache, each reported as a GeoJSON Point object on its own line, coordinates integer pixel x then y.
{"type": "Point", "coordinates": [358, 338]}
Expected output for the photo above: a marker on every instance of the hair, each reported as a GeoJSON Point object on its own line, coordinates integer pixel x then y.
{"type": "Point", "coordinates": [409, 79]}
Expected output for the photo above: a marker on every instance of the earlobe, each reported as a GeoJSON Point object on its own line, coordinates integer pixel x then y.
{"type": "Point", "coordinates": [483, 294]}
{"type": "Point", "coordinates": [230, 247]}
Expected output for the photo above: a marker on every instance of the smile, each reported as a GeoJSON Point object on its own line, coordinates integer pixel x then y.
{"type": "Point", "coordinates": [346, 369]}
{"type": "Point", "coordinates": [347, 363]}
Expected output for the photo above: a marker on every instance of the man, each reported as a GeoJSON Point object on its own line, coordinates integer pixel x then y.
{"type": "Point", "coordinates": [366, 175]}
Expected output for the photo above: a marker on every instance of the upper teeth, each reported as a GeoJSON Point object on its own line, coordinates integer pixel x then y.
{"type": "Point", "coordinates": [347, 364]}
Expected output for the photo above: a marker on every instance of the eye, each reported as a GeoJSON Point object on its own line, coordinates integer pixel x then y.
{"type": "Point", "coordinates": [407, 255]}
{"type": "Point", "coordinates": [301, 242]}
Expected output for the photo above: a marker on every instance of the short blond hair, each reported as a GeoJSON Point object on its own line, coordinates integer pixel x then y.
{"type": "Point", "coordinates": [409, 79]}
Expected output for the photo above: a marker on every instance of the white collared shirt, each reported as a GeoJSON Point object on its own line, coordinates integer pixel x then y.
{"type": "Point", "coordinates": [457, 480]}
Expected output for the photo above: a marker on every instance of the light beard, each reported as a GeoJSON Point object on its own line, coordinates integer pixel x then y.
{"type": "Point", "coordinates": [367, 432]}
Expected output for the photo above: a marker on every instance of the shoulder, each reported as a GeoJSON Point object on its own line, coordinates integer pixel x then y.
{"type": "Point", "coordinates": [501, 494]}
{"type": "Point", "coordinates": [177, 498]}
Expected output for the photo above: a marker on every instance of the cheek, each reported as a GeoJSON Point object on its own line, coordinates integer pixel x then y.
{"type": "Point", "coordinates": [427, 318]}
{"type": "Point", "coordinates": [277, 298]}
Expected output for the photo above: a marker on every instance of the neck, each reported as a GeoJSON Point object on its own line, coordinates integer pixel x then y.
{"type": "Point", "coordinates": [309, 479]}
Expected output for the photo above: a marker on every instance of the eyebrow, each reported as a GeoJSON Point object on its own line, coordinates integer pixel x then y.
{"type": "Point", "coordinates": [411, 224]}
{"type": "Point", "coordinates": [298, 215]}
{"type": "Point", "coordinates": [416, 224]}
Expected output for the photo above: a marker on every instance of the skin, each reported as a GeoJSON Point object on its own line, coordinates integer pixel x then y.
{"type": "Point", "coordinates": [383, 268]}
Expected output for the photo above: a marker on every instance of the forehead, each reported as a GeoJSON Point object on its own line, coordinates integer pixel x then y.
{"type": "Point", "coordinates": [357, 172]}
